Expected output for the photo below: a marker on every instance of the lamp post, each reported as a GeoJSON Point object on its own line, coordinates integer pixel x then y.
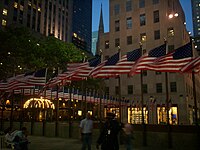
{"type": "Point", "coordinates": [152, 100]}
{"type": "Point", "coordinates": [170, 16]}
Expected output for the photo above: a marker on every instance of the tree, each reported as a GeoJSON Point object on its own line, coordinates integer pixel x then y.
{"type": "Point", "coordinates": [23, 50]}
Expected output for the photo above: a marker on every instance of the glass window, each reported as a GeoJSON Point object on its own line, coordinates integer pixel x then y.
{"type": "Point", "coordinates": [143, 37]}
{"type": "Point", "coordinates": [142, 20]}
{"type": "Point", "coordinates": [162, 115]}
{"type": "Point", "coordinates": [170, 32]}
{"type": "Point", "coordinates": [117, 90]}
{"type": "Point", "coordinates": [157, 72]}
{"type": "Point", "coordinates": [129, 40]}
{"type": "Point", "coordinates": [159, 87]}
{"type": "Point", "coordinates": [157, 34]}
{"type": "Point", "coordinates": [156, 16]}
{"type": "Point", "coordinates": [128, 23]}
{"type": "Point", "coordinates": [144, 88]}
{"type": "Point", "coordinates": [116, 9]}
{"type": "Point", "coordinates": [106, 44]}
{"type": "Point", "coordinates": [130, 89]}
{"type": "Point", "coordinates": [141, 3]}
{"type": "Point", "coordinates": [5, 12]}
{"type": "Point", "coordinates": [173, 87]}
{"type": "Point", "coordinates": [135, 115]}
{"type": "Point", "coordinates": [155, 1]}
{"type": "Point", "coordinates": [117, 25]}
{"type": "Point", "coordinates": [117, 42]}
{"type": "Point", "coordinates": [144, 72]}
{"type": "Point", "coordinates": [3, 22]}
{"type": "Point", "coordinates": [106, 90]}
{"type": "Point", "coordinates": [128, 5]}
{"type": "Point", "coordinates": [106, 57]}
{"type": "Point", "coordinates": [170, 48]}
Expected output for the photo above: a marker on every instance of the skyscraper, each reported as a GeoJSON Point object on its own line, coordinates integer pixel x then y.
{"type": "Point", "coordinates": [82, 24]}
{"type": "Point", "coordinates": [196, 22]}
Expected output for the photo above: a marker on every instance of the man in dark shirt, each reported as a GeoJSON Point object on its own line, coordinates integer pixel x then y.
{"type": "Point", "coordinates": [108, 138]}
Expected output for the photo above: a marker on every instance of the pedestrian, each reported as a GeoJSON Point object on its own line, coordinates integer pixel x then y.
{"type": "Point", "coordinates": [20, 139]}
{"type": "Point", "coordinates": [108, 138]}
{"type": "Point", "coordinates": [128, 131]}
{"type": "Point", "coordinates": [86, 127]}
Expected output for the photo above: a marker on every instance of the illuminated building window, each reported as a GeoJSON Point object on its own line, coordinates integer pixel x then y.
{"type": "Point", "coordinates": [135, 115]}
{"type": "Point", "coordinates": [15, 4]}
{"type": "Point", "coordinates": [29, 3]}
{"type": "Point", "coordinates": [3, 22]}
{"type": "Point", "coordinates": [75, 35]}
{"type": "Point", "coordinates": [143, 37]}
{"type": "Point", "coordinates": [21, 7]}
{"type": "Point", "coordinates": [5, 12]}
{"type": "Point", "coordinates": [106, 44]}
{"type": "Point", "coordinates": [170, 32]}
{"type": "Point", "coordinates": [162, 115]}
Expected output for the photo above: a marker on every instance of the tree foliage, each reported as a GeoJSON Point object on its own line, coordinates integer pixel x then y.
{"type": "Point", "coordinates": [23, 50]}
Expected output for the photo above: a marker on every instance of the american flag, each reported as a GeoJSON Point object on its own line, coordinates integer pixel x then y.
{"type": "Point", "coordinates": [148, 58]}
{"type": "Point", "coordinates": [105, 69]}
{"type": "Point", "coordinates": [193, 65]}
{"type": "Point", "coordinates": [91, 64]}
{"type": "Point", "coordinates": [173, 61]}
{"type": "Point", "coordinates": [39, 77]}
{"type": "Point", "coordinates": [125, 64]}
{"type": "Point", "coordinates": [15, 82]}
{"type": "Point", "coordinates": [70, 74]}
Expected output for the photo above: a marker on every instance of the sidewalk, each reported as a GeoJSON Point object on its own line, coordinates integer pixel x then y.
{"type": "Point", "coordinates": [55, 143]}
{"type": "Point", "coordinates": [47, 143]}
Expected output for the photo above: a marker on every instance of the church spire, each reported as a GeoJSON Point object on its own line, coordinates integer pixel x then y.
{"type": "Point", "coordinates": [101, 25]}
{"type": "Point", "coordinates": [100, 32]}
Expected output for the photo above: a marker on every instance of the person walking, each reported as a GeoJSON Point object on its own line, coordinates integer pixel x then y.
{"type": "Point", "coordinates": [108, 138]}
{"type": "Point", "coordinates": [86, 127]}
{"type": "Point", "coordinates": [128, 130]}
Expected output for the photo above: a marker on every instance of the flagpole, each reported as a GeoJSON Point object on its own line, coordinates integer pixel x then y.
{"type": "Point", "coordinates": [142, 102]}
{"type": "Point", "coordinates": [195, 98]}
{"type": "Point", "coordinates": [119, 83]}
{"type": "Point", "coordinates": [57, 110]}
{"type": "Point", "coordinates": [22, 110]}
{"type": "Point", "coordinates": [167, 102]}
{"type": "Point", "coordinates": [12, 105]}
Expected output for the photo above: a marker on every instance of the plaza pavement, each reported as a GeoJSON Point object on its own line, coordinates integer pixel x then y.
{"type": "Point", "coordinates": [55, 143]}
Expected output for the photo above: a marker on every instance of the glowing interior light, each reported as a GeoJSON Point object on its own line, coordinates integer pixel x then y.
{"type": "Point", "coordinates": [39, 103]}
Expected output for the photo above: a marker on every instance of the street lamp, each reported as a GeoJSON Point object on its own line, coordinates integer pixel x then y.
{"type": "Point", "coordinates": [152, 100]}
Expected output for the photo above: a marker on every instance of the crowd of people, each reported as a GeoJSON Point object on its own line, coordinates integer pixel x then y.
{"type": "Point", "coordinates": [109, 133]}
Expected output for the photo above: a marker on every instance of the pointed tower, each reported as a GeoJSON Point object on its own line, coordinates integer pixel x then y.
{"type": "Point", "coordinates": [100, 32]}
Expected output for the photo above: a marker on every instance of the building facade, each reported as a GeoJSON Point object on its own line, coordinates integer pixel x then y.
{"type": "Point", "coordinates": [149, 22]}
{"type": "Point", "coordinates": [67, 20]}
{"type": "Point", "coordinates": [196, 22]}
